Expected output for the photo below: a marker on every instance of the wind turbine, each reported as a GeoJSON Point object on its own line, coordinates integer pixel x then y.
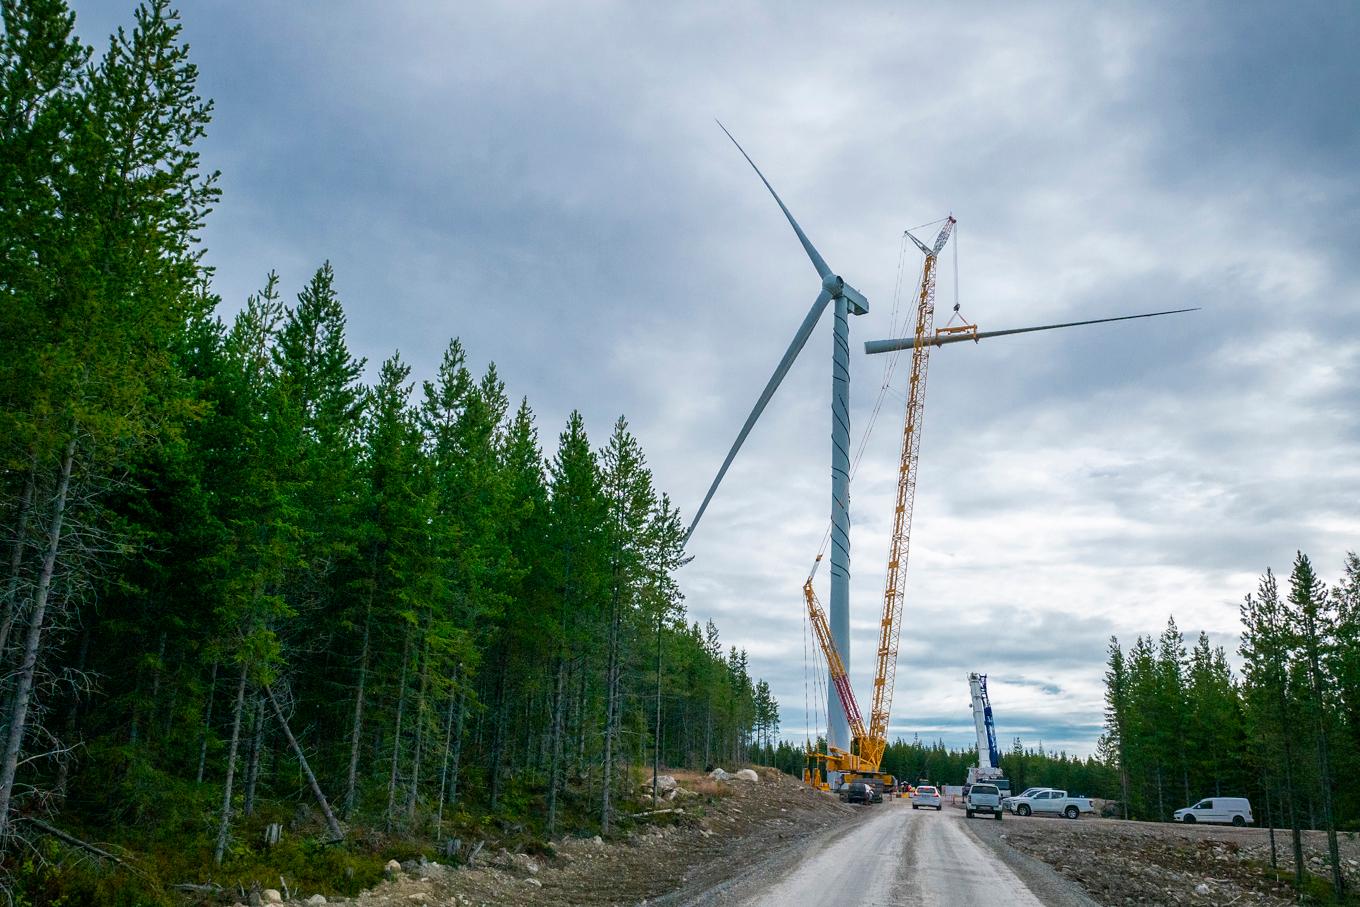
{"type": "Point", "coordinates": [847, 300]}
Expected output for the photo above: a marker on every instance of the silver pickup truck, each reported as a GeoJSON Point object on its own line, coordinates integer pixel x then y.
{"type": "Point", "coordinates": [1052, 802]}
{"type": "Point", "coordinates": [983, 798]}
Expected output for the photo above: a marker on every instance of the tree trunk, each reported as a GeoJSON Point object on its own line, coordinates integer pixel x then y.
{"type": "Point", "coordinates": [444, 762]}
{"type": "Point", "coordinates": [708, 730]}
{"type": "Point", "coordinates": [28, 666]}
{"type": "Point", "coordinates": [656, 739]}
{"type": "Point", "coordinates": [611, 707]}
{"type": "Point", "coordinates": [207, 723]}
{"type": "Point", "coordinates": [414, 794]}
{"type": "Point", "coordinates": [1270, 821]}
{"type": "Point", "coordinates": [1295, 833]}
{"type": "Point", "coordinates": [16, 558]}
{"type": "Point", "coordinates": [225, 826]}
{"type": "Point", "coordinates": [321, 800]}
{"type": "Point", "coordinates": [253, 763]}
{"type": "Point", "coordinates": [456, 759]}
{"type": "Point", "coordinates": [1325, 776]}
{"type": "Point", "coordinates": [582, 715]}
{"type": "Point", "coordinates": [498, 737]}
{"type": "Point", "coordinates": [396, 733]}
{"type": "Point", "coordinates": [72, 713]}
{"type": "Point", "coordinates": [555, 757]}
{"type": "Point", "coordinates": [357, 730]}
{"type": "Point", "coordinates": [156, 670]}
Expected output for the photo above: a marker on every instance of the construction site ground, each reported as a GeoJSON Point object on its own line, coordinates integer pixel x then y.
{"type": "Point", "coordinates": [721, 843]}
{"type": "Point", "coordinates": [1122, 863]}
{"type": "Point", "coordinates": [717, 829]}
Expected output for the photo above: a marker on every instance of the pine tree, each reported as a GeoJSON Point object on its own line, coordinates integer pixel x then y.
{"type": "Point", "coordinates": [1268, 651]}
{"type": "Point", "coordinates": [1315, 619]}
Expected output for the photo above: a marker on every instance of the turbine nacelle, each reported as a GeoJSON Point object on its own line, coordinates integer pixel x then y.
{"type": "Point", "coordinates": [836, 287]}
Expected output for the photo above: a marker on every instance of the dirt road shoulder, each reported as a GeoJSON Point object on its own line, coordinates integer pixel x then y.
{"type": "Point", "coordinates": [1048, 885]}
{"type": "Point", "coordinates": [709, 833]}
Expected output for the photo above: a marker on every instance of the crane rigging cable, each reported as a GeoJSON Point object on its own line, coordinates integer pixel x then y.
{"type": "Point", "coordinates": [889, 370]}
{"type": "Point", "coordinates": [870, 741]}
{"type": "Point", "coordinates": [897, 322]}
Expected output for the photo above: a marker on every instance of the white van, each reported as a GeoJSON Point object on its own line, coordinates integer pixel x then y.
{"type": "Point", "coordinates": [1225, 810]}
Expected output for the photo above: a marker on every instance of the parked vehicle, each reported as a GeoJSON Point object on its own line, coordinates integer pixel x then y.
{"type": "Point", "coordinates": [926, 796]}
{"type": "Point", "coordinates": [983, 798]}
{"type": "Point", "coordinates": [1008, 803]}
{"type": "Point", "coordinates": [1224, 810]}
{"type": "Point", "coordinates": [858, 792]}
{"type": "Point", "coordinates": [1053, 802]}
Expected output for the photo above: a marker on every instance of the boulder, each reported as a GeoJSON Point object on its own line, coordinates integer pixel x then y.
{"type": "Point", "coordinates": [392, 868]}
{"type": "Point", "coordinates": [719, 775]}
{"type": "Point", "coordinates": [665, 783]}
{"type": "Point", "coordinates": [517, 861]}
{"type": "Point", "coordinates": [315, 900]}
{"type": "Point", "coordinates": [1201, 889]}
{"type": "Point", "coordinates": [597, 841]}
{"type": "Point", "coordinates": [747, 774]}
{"type": "Point", "coordinates": [271, 896]}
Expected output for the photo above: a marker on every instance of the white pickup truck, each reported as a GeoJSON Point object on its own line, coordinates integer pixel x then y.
{"type": "Point", "coordinates": [1053, 802]}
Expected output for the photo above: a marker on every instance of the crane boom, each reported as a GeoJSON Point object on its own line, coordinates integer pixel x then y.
{"type": "Point", "coordinates": [835, 667]}
{"type": "Point", "coordinates": [890, 627]}
{"type": "Point", "coordinates": [988, 757]}
{"type": "Point", "coordinates": [871, 742]}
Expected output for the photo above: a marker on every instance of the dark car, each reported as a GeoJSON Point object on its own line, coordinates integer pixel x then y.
{"type": "Point", "coordinates": [858, 792]}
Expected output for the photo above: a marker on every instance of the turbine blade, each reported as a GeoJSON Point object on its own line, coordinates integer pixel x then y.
{"type": "Point", "coordinates": [906, 343]}
{"type": "Point", "coordinates": [817, 261]}
{"type": "Point", "coordinates": [799, 341]}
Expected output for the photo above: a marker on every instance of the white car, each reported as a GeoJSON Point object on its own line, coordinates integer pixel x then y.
{"type": "Point", "coordinates": [928, 797]}
{"type": "Point", "coordinates": [1008, 803]}
{"type": "Point", "coordinates": [983, 798]}
{"type": "Point", "coordinates": [1224, 810]}
{"type": "Point", "coordinates": [1053, 802]}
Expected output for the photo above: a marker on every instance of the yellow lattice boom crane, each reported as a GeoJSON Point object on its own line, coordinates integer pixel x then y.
{"type": "Point", "coordinates": [869, 743]}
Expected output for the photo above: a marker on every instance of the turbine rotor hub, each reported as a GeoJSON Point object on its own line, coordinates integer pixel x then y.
{"type": "Point", "coordinates": [836, 287]}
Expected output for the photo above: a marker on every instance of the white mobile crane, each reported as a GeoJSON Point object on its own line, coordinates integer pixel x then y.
{"type": "Point", "coordinates": [989, 760]}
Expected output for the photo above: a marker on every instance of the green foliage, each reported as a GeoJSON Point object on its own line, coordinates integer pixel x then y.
{"type": "Point", "coordinates": [1182, 727]}
{"type": "Point", "coordinates": [458, 627]}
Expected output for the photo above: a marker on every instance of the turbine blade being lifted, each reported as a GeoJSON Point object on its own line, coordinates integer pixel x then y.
{"type": "Point", "coordinates": [799, 341]}
{"type": "Point", "coordinates": [817, 261]}
{"type": "Point", "coordinates": [906, 343]}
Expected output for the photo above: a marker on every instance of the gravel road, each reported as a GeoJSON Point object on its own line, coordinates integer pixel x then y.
{"type": "Point", "coordinates": [895, 856]}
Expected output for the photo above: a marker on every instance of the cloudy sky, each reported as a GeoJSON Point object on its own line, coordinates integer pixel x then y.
{"type": "Point", "coordinates": [546, 182]}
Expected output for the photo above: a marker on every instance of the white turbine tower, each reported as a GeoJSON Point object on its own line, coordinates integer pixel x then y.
{"type": "Point", "coordinates": [847, 301]}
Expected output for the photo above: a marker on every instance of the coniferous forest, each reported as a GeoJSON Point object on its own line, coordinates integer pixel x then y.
{"type": "Point", "coordinates": [246, 587]}
{"type": "Point", "coordinates": [1285, 732]}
